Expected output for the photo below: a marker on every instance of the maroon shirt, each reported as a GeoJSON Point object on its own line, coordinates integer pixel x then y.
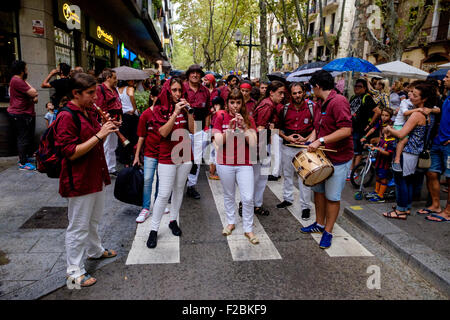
{"type": "Point", "coordinates": [200, 100]}
{"type": "Point", "coordinates": [89, 171]}
{"type": "Point", "coordinates": [221, 123]}
{"type": "Point", "coordinates": [265, 113]}
{"type": "Point", "coordinates": [298, 121]}
{"type": "Point", "coordinates": [250, 105]}
{"type": "Point", "coordinates": [147, 129]}
{"type": "Point", "coordinates": [110, 101]}
{"type": "Point", "coordinates": [20, 102]}
{"type": "Point", "coordinates": [337, 115]}
{"type": "Point", "coordinates": [162, 114]}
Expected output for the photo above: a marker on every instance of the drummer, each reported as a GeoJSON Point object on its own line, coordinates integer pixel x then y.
{"type": "Point", "coordinates": [333, 129]}
{"type": "Point", "coordinates": [296, 127]}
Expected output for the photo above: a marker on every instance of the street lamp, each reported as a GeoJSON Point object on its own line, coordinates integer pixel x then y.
{"type": "Point", "coordinates": [238, 38]}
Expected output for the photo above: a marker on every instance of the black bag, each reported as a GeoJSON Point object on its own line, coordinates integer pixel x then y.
{"type": "Point", "coordinates": [130, 185]}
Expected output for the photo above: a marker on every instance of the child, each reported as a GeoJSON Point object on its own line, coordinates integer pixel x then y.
{"type": "Point", "coordinates": [218, 104]}
{"type": "Point", "coordinates": [50, 116]}
{"type": "Point", "coordinates": [385, 150]}
{"type": "Point", "coordinates": [384, 121]}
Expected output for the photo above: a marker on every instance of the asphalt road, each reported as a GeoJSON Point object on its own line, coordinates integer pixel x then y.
{"type": "Point", "coordinates": [208, 270]}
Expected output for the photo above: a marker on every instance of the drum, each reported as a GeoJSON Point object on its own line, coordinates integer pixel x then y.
{"type": "Point", "coordinates": [312, 167]}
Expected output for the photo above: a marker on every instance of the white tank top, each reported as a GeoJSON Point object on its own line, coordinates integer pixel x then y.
{"type": "Point", "coordinates": [126, 101]}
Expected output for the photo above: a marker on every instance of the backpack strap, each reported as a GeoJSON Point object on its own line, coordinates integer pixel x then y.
{"type": "Point", "coordinates": [311, 108]}
{"type": "Point", "coordinates": [77, 122]}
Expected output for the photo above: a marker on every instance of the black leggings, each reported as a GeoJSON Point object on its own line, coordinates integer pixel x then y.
{"type": "Point", "coordinates": [24, 126]}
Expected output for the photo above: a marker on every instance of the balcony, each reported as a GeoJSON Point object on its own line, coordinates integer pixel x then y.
{"type": "Point", "coordinates": [438, 33]}
{"type": "Point", "coordinates": [330, 6]}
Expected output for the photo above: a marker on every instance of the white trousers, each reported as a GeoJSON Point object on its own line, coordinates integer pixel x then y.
{"type": "Point", "coordinates": [199, 142]}
{"type": "Point", "coordinates": [288, 173]}
{"type": "Point", "coordinates": [82, 238]}
{"type": "Point", "coordinates": [110, 146]}
{"type": "Point", "coordinates": [260, 177]}
{"type": "Point", "coordinates": [243, 175]}
{"type": "Point", "coordinates": [172, 179]}
{"type": "Point", "coordinates": [276, 143]}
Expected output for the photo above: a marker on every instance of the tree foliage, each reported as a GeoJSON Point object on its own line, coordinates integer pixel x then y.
{"type": "Point", "coordinates": [399, 31]}
{"type": "Point", "coordinates": [208, 27]}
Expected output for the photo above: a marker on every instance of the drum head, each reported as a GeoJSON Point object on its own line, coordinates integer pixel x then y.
{"type": "Point", "coordinates": [318, 176]}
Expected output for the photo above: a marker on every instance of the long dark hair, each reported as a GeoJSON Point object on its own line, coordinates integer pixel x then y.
{"type": "Point", "coordinates": [428, 92]}
{"type": "Point", "coordinates": [236, 94]}
{"type": "Point", "coordinates": [274, 86]}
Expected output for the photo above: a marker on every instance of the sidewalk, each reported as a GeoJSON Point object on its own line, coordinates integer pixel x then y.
{"type": "Point", "coordinates": [421, 244]}
{"type": "Point", "coordinates": [32, 254]}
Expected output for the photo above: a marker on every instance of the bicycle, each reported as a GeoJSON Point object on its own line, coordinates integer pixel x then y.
{"type": "Point", "coordinates": [362, 175]}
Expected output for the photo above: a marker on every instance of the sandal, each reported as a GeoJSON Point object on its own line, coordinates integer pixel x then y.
{"type": "Point", "coordinates": [398, 214]}
{"type": "Point", "coordinates": [227, 231]}
{"type": "Point", "coordinates": [261, 211]}
{"type": "Point", "coordinates": [426, 211]}
{"type": "Point", "coordinates": [106, 254]}
{"type": "Point", "coordinates": [86, 280]}
{"type": "Point", "coordinates": [253, 240]}
{"type": "Point", "coordinates": [440, 218]}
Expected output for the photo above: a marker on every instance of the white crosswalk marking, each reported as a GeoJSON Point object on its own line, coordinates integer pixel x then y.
{"type": "Point", "coordinates": [343, 244]}
{"type": "Point", "coordinates": [168, 248]}
{"type": "Point", "coordinates": [241, 249]}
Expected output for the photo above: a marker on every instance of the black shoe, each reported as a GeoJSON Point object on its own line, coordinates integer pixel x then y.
{"type": "Point", "coordinates": [284, 204]}
{"type": "Point", "coordinates": [151, 242]}
{"type": "Point", "coordinates": [273, 178]}
{"type": "Point", "coordinates": [191, 192]}
{"type": "Point", "coordinates": [306, 214]}
{"type": "Point", "coordinates": [261, 211]}
{"type": "Point", "coordinates": [114, 173]}
{"type": "Point", "coordinates": [175, 229]}
{"type": "Point", "coordinates": [240, 209]}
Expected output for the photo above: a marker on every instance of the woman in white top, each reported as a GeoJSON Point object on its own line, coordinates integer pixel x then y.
{"type": "Point", "coordinates": [130, 121]}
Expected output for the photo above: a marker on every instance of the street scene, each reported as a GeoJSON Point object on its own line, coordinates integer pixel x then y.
{"type": "Point", "coordinates": [224, 154]}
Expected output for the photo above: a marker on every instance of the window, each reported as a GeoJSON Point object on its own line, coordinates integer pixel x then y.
{"type": "Point", "coordinates": [64, 47]}
{"type": "Point", "coordinates": [9, 50]}
{"type": "Point", "coordinates": [333, 18]}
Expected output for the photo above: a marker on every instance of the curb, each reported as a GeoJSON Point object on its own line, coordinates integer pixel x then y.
{"type": "Point", "coordinates": [431, 265]}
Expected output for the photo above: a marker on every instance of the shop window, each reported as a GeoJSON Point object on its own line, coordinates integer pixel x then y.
{"type": "Point", "coordinates": [9, 51]}
{"type": "Point", "coordinates": [64, 47]}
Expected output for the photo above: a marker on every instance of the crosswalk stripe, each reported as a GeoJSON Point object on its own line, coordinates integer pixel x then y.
{"type": "Point", "coordinates": [343, 244]}
{"type": "Point", "coordinates": [241, 249]}
{"type": "Point", "coordinates": [167, 250]}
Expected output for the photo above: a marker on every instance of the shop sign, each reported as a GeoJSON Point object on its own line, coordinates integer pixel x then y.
{"type": "Point", "coordinates": [99, 33]}
{"type": "Point", "coordinates": [123, 52]}
{"type": "Point", "coordinates": [103, 35]}
{"type": "Point", "coordinates": [69, 14]}
{"type": "Point", "coordinates": [38, 27]}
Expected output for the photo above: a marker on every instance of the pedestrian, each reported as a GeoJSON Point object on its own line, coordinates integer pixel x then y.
{"type": "Point", "coordinates": [236, 127]}
{"type": "Point", "coordinates": [394, 98]}
{"type": "Point", "coordinates": [250, 103]}
{"type": "Point", "coordinates": [383, 122]}
{"type": "Point", "coordinates": [130, 121]}
{"type": "Point", "coordinates": [109, 101]}
{"type": "Point", "coordinates": [84, 176]}
{"type": "Point", "coordinates": [50, 116]}
{"type": "Point", "coordinates": [440, 164]}
{"type": "Point", "coordinates": [171, 114]}
{"type": "Point", "coordinates": [265, 116]}
{"type": "Point", "coordinates": [333, 129]}
{"type": "Point", "coordinates": [417, 127]}
{"type": "Point", "coordinates": [22, 114]}
{"type": "Point", "coordinates": [361, 106]}
{"type": "Point", "coordinates": [60, 85]}
{"type": "Point", "coordinates": [198, 97]}
{"type": "Point", "coordinates": [380, 94]}
{"type": "Point", "coordinates": [296, 124]}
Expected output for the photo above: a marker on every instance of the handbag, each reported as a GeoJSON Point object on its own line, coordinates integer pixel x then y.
{"type": "Point", "coordinates": [129, 185]}
{"type": "Point", "coordinates": [424, 157]}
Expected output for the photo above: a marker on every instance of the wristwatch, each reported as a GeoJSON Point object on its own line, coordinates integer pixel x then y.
{"type": "Point", "coordinates": [322, 140]}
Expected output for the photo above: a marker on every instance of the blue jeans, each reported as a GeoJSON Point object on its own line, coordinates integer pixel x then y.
{"type": "Point", "coordinates": [404, 187]}
{"type": "Point", "coordinates": [150, 166]}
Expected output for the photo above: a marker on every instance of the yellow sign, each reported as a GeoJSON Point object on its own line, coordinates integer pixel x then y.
{"type": "Point", "coordinates": [69, 14]}
{"type": "Point", "coordinates": [356, 208]}
{"type": "Point", "coordinates": [101, 34]}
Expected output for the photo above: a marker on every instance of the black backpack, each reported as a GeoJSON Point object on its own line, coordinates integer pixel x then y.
{"type": "Point", "coordinates": [129, 185]}
{"type": "Point", "coordinates": [48, 157]}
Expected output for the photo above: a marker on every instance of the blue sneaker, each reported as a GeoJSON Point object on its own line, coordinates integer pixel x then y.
{"type": "Point", "coordinates": [27, 166]}
{"type": "Point", "coordinates": [377, 199]}
{"type": "Point", "coordinates": [325, 242]}
{"type": "Point", "coordinates": [314, 228]}
{"type": "Point", "coordinates": [371, 195]}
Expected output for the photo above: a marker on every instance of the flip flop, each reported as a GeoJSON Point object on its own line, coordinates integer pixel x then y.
{"type": "Point", "coordinates": [400, 216]}
{"type": "Point", "coordinates": [106, 254]}
{"type": "Point", "coordinates": [227, 231]}
{"type": "Point", "coordinates": [253, 240]}
{"type": "Point", "coordinates": [441, 218]}
{"type": "Point", "coordinates": [427, 211]}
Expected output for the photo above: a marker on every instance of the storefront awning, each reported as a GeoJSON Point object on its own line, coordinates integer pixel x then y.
{"type": "Point", "coordinates": [125, 20]}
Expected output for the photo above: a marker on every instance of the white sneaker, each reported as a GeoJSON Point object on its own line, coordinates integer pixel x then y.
{"type": "Point", "coordinates": [143, 215]}
{"type": "Point", "coordinates": [166, 211]}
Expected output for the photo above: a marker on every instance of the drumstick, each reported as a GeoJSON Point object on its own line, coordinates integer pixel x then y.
{"type": "Point", "coordinates": [305, 146]}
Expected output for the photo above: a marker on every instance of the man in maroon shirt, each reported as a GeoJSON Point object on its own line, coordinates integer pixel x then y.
{"type": "Point", "coordinates": [109, 101]}
{"type": "Point", "coordinates": [198, 97]}
{"type": "Point", "coordinates": [333, 129]}
{"type": "Point", "coordinates": [296, 124]}
{"type": "Point", "coordinates": [21, 112]}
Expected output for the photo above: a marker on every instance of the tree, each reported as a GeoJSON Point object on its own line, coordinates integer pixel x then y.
{"type": "Point", "coordinates": [291, 14]}
{"type": "Point", "coordinates": [399, 32]}
{"type": "Point", "coordinates": [208, 27]}
{"type": "Point", "coordinates": [263, 39]}
{"type": "Point", "coordinates": [183, 56]}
